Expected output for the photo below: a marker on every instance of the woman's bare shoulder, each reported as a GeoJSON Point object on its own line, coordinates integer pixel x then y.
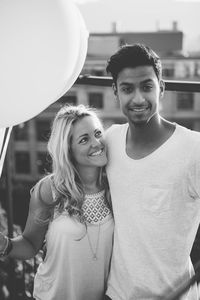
{"type": "Point", "coordinates": [43, 190]}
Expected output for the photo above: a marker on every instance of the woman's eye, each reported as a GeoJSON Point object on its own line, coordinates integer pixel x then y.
{"type": "Point", "coordinates": [83, 140]}
{"type": "Point", "coordinates": [98, 134]}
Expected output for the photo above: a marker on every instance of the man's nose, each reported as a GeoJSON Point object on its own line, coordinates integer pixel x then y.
{"type": "Point", "coordinates": [138, 98]}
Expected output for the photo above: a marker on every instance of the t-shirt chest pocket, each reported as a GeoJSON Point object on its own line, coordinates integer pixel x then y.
{"type": "Point", "coordinates": [157, 198]}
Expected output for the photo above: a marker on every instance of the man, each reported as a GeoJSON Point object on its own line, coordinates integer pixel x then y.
{"type": "Point", "coordinates": [154, 177]}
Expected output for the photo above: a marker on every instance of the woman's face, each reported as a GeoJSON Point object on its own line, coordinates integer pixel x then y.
{"type": "Point", "coordinates": [88, 145]}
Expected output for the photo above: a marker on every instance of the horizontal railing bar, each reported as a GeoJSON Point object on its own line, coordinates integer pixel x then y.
{"type": "Point", "coordinates": [94, 80]}
{"type": "Point", "coordinates": [182, 86]}
{"type": "Point", "coordinates": [170, 85]}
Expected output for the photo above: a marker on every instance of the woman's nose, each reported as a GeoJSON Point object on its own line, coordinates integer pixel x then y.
{"type": "Point", "coordinates": [96, 142]}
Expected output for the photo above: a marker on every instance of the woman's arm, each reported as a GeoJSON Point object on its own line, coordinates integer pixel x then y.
{"type": "Point", "coordinates": [28, 244]}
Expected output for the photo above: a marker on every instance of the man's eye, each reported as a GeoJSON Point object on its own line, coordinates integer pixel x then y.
{"type": "Point", "coordinates": [126, 90]}
{"type": "Point", "coordinates": [147, 88]}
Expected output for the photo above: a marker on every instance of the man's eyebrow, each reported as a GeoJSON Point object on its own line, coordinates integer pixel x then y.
{"type": "Point", "coordinates": [125, 83]}
{"type": "Point", "coordinates": [147, 81]}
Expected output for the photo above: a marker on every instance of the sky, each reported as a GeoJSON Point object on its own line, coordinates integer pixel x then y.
{"type": "Point", "coordinates": [144, 15]}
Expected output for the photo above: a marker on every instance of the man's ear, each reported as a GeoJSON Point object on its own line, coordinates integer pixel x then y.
{"type": "Point", "coordinates": [114, 89]}
{"type": "Point", "coordinates": [162, 88]}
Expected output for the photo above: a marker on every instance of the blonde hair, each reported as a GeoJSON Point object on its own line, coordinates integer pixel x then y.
{"type": "Point", "coordinates": [65, 176]}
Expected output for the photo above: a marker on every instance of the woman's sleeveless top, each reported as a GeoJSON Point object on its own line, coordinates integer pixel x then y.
{"type": "Point", "coordinates": [77, 261]}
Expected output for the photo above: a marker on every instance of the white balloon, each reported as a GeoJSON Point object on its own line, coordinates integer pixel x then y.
{"type": "Point", "coordinates": [83, 46]}
{"type": "Point", "coordinates": [43, 49]}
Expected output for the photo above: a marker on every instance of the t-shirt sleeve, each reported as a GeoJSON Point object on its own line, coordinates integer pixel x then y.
{"type": "Point", "coordinates": [194, 173]}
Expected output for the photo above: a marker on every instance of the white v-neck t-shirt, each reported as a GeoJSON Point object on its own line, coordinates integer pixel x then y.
{"type": "Point", "coordinates": [156, 205]}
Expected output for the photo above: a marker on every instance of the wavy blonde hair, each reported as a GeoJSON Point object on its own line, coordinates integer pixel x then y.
{"type": "Point", "coordinates": [65, 176]}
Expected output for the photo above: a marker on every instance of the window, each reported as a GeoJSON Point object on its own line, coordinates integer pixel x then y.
{"type": "Point", "coordinates": [197, 70]}
{"type": "Point", "coordinates": [185, 101]}
{"type": "Point", "coordinates": [98, 72]}
{"type": "Point", "coordinates": [96, 100]}
{"type": "Point", "coordinates": [43, 163]}
{"type": "Point", "coordinates": [22, 162]}
{"type": "Point", "coordinates": [43, 130]}
{"type": "Point", "coordinates": [168, 69]}
{"type": "Point", "coordinates": [168, 72]}
{"type": "Point", "coordinates": [122, 42]}
{"type": "Point", "coordinates": [186, 123]}
{"type": "Point", "coordinates": [68, 99]}
{"type": "Point", "coordinates": [20, 132]}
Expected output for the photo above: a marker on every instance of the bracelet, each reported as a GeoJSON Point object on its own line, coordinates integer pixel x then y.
{"type": "Point", "coordinates": [8, 247]}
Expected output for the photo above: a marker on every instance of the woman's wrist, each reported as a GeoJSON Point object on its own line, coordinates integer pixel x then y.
{"type": "Point", "coordinates": [7, 247]}
{"type": "Point", "coordinates": [3, 242]}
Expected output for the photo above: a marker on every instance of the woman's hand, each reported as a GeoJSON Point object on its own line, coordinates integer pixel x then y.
{"type": "Point", "coordinates": [3, 243]}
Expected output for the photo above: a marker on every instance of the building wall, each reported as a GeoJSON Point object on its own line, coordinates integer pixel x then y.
{"type": "Point", "coordinates": [28, 158]}
{"type": "Point", "coordinates": [164, 42]}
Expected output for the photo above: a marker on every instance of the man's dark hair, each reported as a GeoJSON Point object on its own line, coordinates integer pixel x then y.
{"type": "Point", "coordinates": [132, 56]}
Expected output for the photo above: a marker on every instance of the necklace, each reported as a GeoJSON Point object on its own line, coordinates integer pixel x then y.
{"type": "Point", "coordinates": [94, 211]}
{"type": "Point", "coordinates": [94, 250]}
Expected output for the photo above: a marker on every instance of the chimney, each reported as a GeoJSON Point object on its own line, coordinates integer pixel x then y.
{"type": "Point", "coordinates": [114, 27]}
{"type": "Point", "coordinates": [157, 25]}
{"type": "Point", "coordinates": [175, 26]}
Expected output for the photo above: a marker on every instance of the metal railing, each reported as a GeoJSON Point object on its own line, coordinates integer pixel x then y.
{"type": "Point", "coordinates": [170, 85]}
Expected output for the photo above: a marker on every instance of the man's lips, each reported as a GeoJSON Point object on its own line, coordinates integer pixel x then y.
{"type": "Point", "coordinates": [139, 108]}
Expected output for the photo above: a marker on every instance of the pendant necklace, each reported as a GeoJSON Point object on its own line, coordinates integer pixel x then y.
{"type": "Point", "coordinates": [94, 251]}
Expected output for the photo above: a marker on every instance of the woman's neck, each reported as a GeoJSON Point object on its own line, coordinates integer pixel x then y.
{"type": "Point", "coordinates": [89, 178]}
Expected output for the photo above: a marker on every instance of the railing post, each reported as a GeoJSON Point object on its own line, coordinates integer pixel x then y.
{"type": "Point", "coordinates": [9, 208]}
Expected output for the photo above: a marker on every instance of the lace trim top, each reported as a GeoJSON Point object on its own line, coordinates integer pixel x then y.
{"type": "Point", "coordinates": [95, 208]}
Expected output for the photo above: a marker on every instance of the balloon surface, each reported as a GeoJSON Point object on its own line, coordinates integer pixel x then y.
{"type": "Point", "coordinates": [83, 45]}
{"type": "Point", "coordinates": [43, 49]}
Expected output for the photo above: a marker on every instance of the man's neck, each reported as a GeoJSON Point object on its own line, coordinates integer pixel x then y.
{"type": "Point", "coordinates": [145, 133]}
{"type": "Point", "coordinates": [143, 140]}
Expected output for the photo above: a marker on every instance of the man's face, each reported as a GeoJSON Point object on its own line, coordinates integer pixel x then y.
{"type": "Point", "coordinates": [138, 91]}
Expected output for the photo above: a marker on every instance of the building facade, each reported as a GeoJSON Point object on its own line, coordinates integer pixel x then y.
{"type": "Point", "coordinates": [27, 157]}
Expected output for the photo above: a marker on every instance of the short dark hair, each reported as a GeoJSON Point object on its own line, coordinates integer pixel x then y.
{"type": "Point", "coordinates": [132, 56]}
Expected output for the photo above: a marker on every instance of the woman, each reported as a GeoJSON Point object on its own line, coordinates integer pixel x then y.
{"type": "Point", "coordinates": [70, 210]}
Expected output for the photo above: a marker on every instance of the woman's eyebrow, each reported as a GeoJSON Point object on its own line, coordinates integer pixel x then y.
{"type": "Point", "coordinates": [82, 135]}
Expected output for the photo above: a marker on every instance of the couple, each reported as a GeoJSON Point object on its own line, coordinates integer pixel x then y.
{"type": "Point", "coordinates": [153, 172]}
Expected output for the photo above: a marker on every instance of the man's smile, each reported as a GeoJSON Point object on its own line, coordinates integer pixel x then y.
{"type": "Point", "coordinates": [139, 108]}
